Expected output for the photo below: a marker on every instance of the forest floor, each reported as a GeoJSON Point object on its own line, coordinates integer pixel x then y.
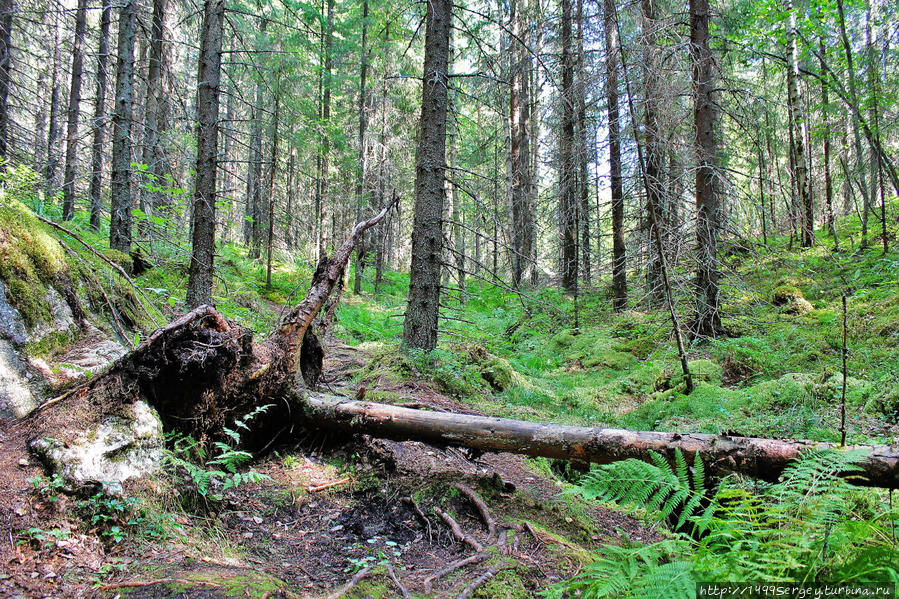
{"type": "Point", "coordinates": [330, 507]}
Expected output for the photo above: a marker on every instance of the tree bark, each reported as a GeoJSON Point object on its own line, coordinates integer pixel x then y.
{"type": "Point", "coordinates": [422, 310]}
{"type": "Point", "coordinates": [828, 179]}
{"type": "Point", "coordinates": [654, 156]}
{"type": "Point", "coordinates": [568, 201]}
{"type": "Point", "coordinates": [272, 169]}
{"type": "Point", "coordinates": [362, 250]}
{"type": "Point", "coordinates": [519, 116]}
{"type": "Point", "coordinates": [6, 14]}
{"type": "Point", "coordinates": [583, 185]}
{"type": "Point", "coordinates": [96, 186]}
{"type": "Point", "coordinates": [50, 186]}
{"type": "Point", "coordinates": [68, 186]}
{"type": "Point", "coordinates": [619, 251]}
{"type": "Point", "coordinates": [152, 156]}
{"type": "Point", "coordinates": [120, 222]}
{"type": "Point", "coordinates": [199, 284]}
{"type": "Point", "coordinates": [799, 125]}
{"type": "Point", "coordinates": [722, 454]}
{"type": "Point", "coordinates": [708, 206]}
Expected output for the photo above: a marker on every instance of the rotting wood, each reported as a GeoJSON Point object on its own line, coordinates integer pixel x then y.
{"type": "Point", "coordinates": [759, 458]}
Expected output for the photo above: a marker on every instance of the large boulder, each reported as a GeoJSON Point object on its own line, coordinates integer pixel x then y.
{"type": "Point", "coordinates": [121, 447]}
{"type": "Point", "coordinates": [16, 397]}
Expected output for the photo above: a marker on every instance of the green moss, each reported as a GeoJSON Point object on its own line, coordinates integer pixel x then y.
{"type": "Point", "coordinates": [53, 343]}
{"type": "Point", "coordinates": [561, 341]}
{"type": "Point", "coordinates": [120, 258]}
{"type": "Point", "coordinates": [886, 404]}
{"type": "Point", "coordinates": [791, 300]}
{"type": "Point", "coordinates": [30, 258]}
{"type": "Point", "coordinates": [507, 584]}
{"type": "Point", "coordinates": [611, 359]}
{"type": "Point", "coordinates": [498, 373]}
{"type": "Point", "coordinates": [705, 371]}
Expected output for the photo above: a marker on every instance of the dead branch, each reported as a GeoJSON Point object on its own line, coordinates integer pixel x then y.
{"type": "Point", "coordinates": [392, 573]}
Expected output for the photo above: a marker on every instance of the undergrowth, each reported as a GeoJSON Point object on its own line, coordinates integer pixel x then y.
{"type": "Point", "coordinates": [813, 526]}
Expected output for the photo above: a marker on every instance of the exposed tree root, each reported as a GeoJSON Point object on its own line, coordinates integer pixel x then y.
{"type": "Point", "coordinates": [482, 508]}
{"type": "Point", "coordinates": [420, 514]}
{"type": "Point", "coordinates": [392, 573]}
{"type": "Point", "coordinates": [359, 576]}
{"type": "Point", "coordinates": [490, 573]}
{"type": "Point", "coordinates": [472, 559]}
{"type": "Point", "coordinates": [457, 530]}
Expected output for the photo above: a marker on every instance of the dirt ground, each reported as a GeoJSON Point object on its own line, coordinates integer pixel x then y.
{"type": "Point", "coordinates": [334, 511]}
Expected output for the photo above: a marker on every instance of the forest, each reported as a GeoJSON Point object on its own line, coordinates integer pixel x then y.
{"type": "Point", "coordinates": [449, 298]}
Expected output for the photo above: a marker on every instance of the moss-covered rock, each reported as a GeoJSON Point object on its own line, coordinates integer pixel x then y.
{"type": "Point", "coordinates": [498, 373]}
{"type": "Point", "coordinates": [561, 341]}
{"type": "Point", "coordinates": [791, 300]}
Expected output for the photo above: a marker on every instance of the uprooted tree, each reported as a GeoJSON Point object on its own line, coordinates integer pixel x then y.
{"type": "Point", "coordinates": [201, 372]}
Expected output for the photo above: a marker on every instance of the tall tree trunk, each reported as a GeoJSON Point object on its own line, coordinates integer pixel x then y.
{"type": "Point", "coordinates": [153, 102]}
{"type": "Point", "coordinates": [251, 183]}
{"type": "Point", "coordinates": [519, 115]}
{"type": "Point", "coordinates": [382, 174]}
{"type": "Point", "coordinates": [272, 169]}
{"type": "Point", "coordinates": [50, 186]}
{"type": "Point", "coordinates": [583, 185]}
{"type": "Point", "coordinates": [68, 187]}
{"type": "Point", "coordinates": [856, 125]}
{"type": "Point", "coordinates": [619, 252]}
{"type": "Point", "coordinates": [653, 151]}
{"type": "Point", "coordinates": [422, 311]}
{"type": "Point", "coordinates": [361, 248]}
{"type": "Point", "coordinates": [708, 206]}
{"type": "Point", "coordinates": [6, 14]}
{"type": "Point", "coordinates": [326, 135]}
{"type": "Point", "coordinates": [828, 179]}
{"type": "Point", "coordinates": [226, 222]}
{"type": "Point", "coordinates": [257, 210]}
{"type": "Point", "coordinates": [798, 125]}
{"type": "Point", "coordinates": [96, 186]}
{"type": "Point", "coordinates": [120, 223]}
{"type": "Point", "coordinates": [568, 201]}
{"type": "Point", "coordinates": [199, 284]}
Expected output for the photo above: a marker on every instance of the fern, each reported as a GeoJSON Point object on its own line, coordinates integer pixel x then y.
{"type": "Point", "coordinates": [807, 527]}
{"type": "Point", "coordinates": [655, 487]}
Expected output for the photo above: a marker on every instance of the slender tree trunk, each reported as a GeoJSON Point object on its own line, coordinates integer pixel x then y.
{"type": "Point", "coordinates": [251, 183]}
{"type": "Point", "coordinates": [853, 98]}
{"type": "Point", "coordinates": [422, 311]}
{"type": "Point", "coordinates": [382, 232]}
{"type": "Point", "coordinates": [153, 102]}
{"type": "Point", "coordinates": [257, 210]}
{"type": "Point", "coordinates": [828, 179]}
{"type": "Point", "coordinates": [68, 187]}
{"type": "Point", "coordinates": [583, 185]}
{"type": "Point", "coordinates": [568, 201]}
{"type": "Point", "coordinates": [708, 206]}
{"type": "Point", "coordinates": [653, 151]}
{"type": "Point", "coordinates": [96, 186]}
{"type": "Point", "coordinates": [227, 223]}
{"type": "Point", "coordinates": [798, 125]}
{"type": "Point", "coordinates": [6, 14]}
{"type": "Point", "coordinates": [272, 169]}
{"type": "Point", "coordinates": [199, 284]}
{"type": "Point", "coordinates": [288, 214]}
{"type": "Point", "coordinates": [326, 137]}
{"type": "Point", "coordinates": [50, 185]}
{"type": "Point", "coordinates": [361, 248]}
{"type": "Point", "coordinates": [519, 115]}
{"type": "Point", "coordinates": [619, 252]}
{"type": "Point", "coordinates": [120, 223]}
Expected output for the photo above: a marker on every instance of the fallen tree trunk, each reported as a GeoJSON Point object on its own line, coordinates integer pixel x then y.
{"type": "Point", "coordinates": [760, 458]}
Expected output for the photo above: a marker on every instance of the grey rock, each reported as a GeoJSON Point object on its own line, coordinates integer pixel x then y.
{"type": "Point", "coordinates": [118, 449]}
{"type": "Point", "coordinates": [12, 327]}
{"type": "Point", "coordinates": [16, 398]}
